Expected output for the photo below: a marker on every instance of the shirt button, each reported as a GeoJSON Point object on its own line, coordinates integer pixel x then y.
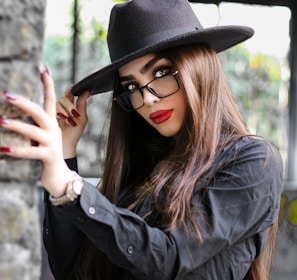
{"type": "Point", "coordinates": [92, 210]}
{"type": "Point", "coordinates": [130, 249]}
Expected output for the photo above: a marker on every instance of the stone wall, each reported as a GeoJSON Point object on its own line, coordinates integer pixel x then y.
{"type": "Point", "coordinates": [21, 40]}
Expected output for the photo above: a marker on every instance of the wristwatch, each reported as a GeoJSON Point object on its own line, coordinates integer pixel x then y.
{"type": "Point", "coordinates": [73, 190]}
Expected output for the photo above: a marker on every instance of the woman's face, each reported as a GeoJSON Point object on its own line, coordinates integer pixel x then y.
{"type": "Point", "coordinates": [165, 114]}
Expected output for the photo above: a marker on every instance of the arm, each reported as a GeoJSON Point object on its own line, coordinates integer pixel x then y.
{"type": "Point", "coordinates": [61, 238]}
{"type": "Point", "coordinates": [242, 201]}
{"type": "Point", "coordinates": [50, 138]}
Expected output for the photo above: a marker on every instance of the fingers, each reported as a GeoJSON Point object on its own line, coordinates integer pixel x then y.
{"type": "Point", "coordinates": [65, 106]}
{"type": "Point", "coordinates": [49, 92]}
{"type": "Point", "coordinates": [34, 110]}
{"type": "Point", "coordinates": [41, 116]}
{"type": "Point", "coordinates": [36, 153]}
{"type": "Point", "coordinates": [70, 110]}
{"type": "Point", "coordinates": [81, 103]}
{"type": "Point", "coordinates": [66, 103]}
{"type": "Point", "coordinates": [32, 132]}
{"type": "Point", "coordinates": [49, 146]}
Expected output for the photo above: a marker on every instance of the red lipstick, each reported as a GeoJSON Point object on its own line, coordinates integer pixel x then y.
{"type": "Point", "coordinates": [161, 116]}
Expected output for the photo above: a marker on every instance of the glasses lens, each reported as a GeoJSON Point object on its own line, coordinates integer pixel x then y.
{"type": "Point", "coordinates": [130, 101]}
{"type": "Point", "coordinates": [136, 99]}
{"type": "Point", "coordinates": [160, 87]}
{"type": "Point", "coordinates": [164, 86]}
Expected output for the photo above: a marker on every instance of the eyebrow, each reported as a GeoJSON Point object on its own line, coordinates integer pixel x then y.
{"type": "Point", "coordinates": [150, 64]}
{"type": "Point", "coordinates": [144, 69]}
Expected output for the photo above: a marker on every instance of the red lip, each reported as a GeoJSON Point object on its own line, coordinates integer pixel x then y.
{"type": "Point", "coordinates": [161, 116]}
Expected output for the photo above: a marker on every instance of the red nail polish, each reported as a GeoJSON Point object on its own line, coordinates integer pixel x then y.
{"type": "Point", "coordinates": [9, 96]}
{"type": "Point", "coordinates": [72, 122]}
{"type": "Point", "coordinates": [5, 150]}
{"type": "Point", "coordinates": [61, 115]}
{"type": "Point", "coordinates": [44, 69]}
{"type": "Point", "coordinates": [3, 120]}
{"type": "Point", "coordinates": [47, 71]}
{"type": "Point", "coordinates": [75, 113]}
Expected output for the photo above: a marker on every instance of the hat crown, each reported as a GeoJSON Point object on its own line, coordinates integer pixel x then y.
{"type": "Point", "coordinates": [139, 23]}
{"type": "Point", "coordinates": [140, 27]}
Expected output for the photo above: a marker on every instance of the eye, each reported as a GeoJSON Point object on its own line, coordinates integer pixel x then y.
{"type": "Point", "coordinates": [162, 71]}
{"type": "Point", "coordinates": [130, 87]}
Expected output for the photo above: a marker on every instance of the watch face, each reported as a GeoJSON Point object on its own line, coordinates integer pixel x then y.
{"type": "Point", "coordinates": [77, 186]}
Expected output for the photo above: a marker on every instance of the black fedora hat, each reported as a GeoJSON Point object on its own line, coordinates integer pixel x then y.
{"type": "Point", "coordinates": [140, 27]}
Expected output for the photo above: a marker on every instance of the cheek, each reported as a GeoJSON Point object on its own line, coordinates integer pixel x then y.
{"type": "Point", "coordinates": [182, 104]}
{"type": "Point", "coordinates": [170, 128]}
{"type": "Point", "coordinates": [142, 113]}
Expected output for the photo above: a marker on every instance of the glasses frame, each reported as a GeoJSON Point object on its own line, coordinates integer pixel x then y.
{"type": "Point", "coordinates": [150, 89]}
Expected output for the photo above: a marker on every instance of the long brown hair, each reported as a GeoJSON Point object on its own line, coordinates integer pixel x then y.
{"type": "Point", "coordinates": [141, 164]}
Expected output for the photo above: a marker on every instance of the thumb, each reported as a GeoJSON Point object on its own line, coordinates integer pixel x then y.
{"type": "Point", "coordinates": [81, 103]}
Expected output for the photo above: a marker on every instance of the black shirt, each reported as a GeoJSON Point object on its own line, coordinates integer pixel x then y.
{"type": "Point", "coordinates": [241, 201]}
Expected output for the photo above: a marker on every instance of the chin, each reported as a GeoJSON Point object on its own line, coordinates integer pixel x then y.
{"type": "Point", "coordinates": [167, 133]}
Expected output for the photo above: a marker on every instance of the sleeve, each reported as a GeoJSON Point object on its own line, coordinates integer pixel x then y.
{"type": "Point", "coordinates": [61, 237]}
{"type": "Point", "coordinates": [240, 201]}
{"type": "Point", "coordinates": [72, 163]}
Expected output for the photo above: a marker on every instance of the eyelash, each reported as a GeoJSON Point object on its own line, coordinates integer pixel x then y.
{"type": "Point", "coordinates": [164, 67]}
{"type": "Point", "coordinates": [167, 68]}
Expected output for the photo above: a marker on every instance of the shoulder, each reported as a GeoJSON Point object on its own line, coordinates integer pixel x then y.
{"type": "Point", "coordinates": [247, 176]}
{"type": "Point", "coordinates": [247, 163]}
{"type": "Point", "coordinates": [251, 150]}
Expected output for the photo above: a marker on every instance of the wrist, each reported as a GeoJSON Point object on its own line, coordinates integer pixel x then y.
{"type": "Point", "coordinates": [72, 191]}
{"type": "Point", "coordinates": [55, 178]}
{"type": "Point", "coordinates": [69, 148]}
{"type": "Point", "coordinates": [69, 153]}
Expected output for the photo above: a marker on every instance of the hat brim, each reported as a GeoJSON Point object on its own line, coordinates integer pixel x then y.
{"type": "Point", "coordinates": [219, 38]}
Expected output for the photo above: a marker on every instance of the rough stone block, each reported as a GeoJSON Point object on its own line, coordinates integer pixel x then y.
{"type": "Point", "coordinates": [20, 246]}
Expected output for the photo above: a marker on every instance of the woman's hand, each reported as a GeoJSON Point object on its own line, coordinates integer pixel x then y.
{"type": "Point", "coordinates": [47, 133]}
{"type": "Point", "coordinates": [72, 119]}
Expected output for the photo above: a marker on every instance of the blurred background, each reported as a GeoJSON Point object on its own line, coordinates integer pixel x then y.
{"type": "Point", "coordinates": [258, 71]}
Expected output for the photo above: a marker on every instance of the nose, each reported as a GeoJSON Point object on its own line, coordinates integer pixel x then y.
{"type": "Point", "coordinates": [148, 97]}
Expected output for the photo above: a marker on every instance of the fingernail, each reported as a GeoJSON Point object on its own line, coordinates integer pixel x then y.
{"type": "Point", "coordinates": [5, 150]}
{"type": "Point", "coordinates": [44, 69]}
{"type": "Point", "coordinates": [61, 115]}
{"type": "Point", "coordinates": [3, 120]}
{"type": "Point", "coordinates": [9, 96]}
{"type": "Point", "coordinates": [75, 113]}
{"type": "Point", "coordinates": [71, 121]}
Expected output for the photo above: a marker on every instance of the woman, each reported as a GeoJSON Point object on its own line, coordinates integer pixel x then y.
{"type": "Point", "coordinates": [186, 192]}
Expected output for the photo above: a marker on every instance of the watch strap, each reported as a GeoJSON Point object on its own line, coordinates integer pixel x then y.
{"type": "Point", "coordinates": [73, 190]}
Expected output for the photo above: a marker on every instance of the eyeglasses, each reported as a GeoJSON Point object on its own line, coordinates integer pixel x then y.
{"type": "Point", "coordinates": [131, 100]}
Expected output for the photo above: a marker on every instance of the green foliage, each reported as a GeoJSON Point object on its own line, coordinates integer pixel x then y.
{"type": "Point", "coordinates": [57, 56]}
{"type": "Point", "coordinates": [92, 51]}
{"type": "Point", "coordinates": [255, 81]}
